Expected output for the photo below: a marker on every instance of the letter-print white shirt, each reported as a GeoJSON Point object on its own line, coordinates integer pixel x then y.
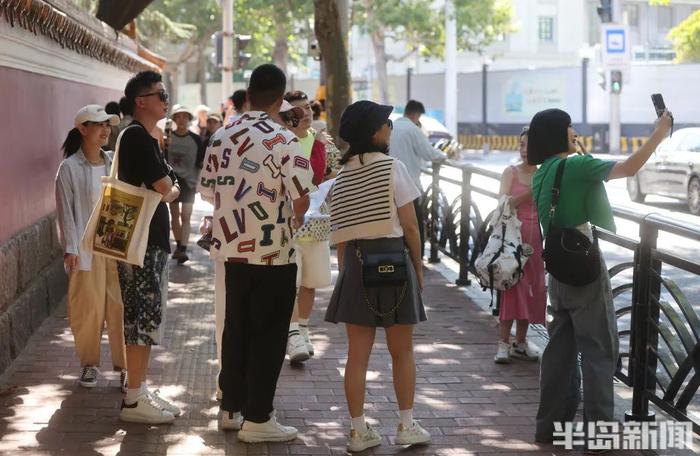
{"type": "Point", "coordinates": [253, 169]}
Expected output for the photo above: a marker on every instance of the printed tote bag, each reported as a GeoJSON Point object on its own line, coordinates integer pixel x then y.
{"type": "Point", "coordinates": [118, 225]}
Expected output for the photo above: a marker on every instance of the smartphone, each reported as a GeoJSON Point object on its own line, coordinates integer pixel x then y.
{"type": "Point", "coordinates": [660, 107]}
{"type": "Point", "coordinates": [659, 104]}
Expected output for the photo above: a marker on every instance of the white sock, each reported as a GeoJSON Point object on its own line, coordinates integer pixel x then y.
{"type": "Point", "coordinates": [144, 388]}
{"type": "Point", "coordinates": [359, 424]}
{"type": "Point", "coordinates": [132, 395]}
{"type": "Point", "coordinates": [294, 326]}
{"type": "Point", "coordinates": [406, 418]}
{"type": "Point", "coordinates": [303, 322]}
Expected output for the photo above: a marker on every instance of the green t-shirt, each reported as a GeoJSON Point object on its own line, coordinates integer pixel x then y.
{"type": "Point", "coordinates": [307, 143]}
{"type": "Point", "coordinates": [582, 198]}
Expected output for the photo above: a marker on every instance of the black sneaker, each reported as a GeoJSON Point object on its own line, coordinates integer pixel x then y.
{"type": "Point", "coordinates": [180, 254]}
{"type": "Point", "coordinates": [88, 378]}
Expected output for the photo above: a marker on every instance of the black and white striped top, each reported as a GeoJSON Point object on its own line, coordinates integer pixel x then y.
{"type": "Point", "coordinates": [363, 199]}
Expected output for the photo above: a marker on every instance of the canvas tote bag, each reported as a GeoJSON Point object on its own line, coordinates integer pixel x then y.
{"type": "Point", "coordinates": [119, 223]}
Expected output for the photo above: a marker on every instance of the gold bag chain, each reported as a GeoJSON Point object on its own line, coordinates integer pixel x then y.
{"type": "Point", "coordinates": [364, 290]}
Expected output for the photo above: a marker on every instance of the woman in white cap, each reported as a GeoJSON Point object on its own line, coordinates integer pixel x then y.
{"type": "Point", "coordinates": [94, 296]}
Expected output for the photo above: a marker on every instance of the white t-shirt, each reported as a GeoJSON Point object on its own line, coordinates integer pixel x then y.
{"type": "Point", "coordinates": [253, 169]}
{"type": "Point", "coordinates": [96, 173]}
{"type": "Point", "coordinates": [405, 191]}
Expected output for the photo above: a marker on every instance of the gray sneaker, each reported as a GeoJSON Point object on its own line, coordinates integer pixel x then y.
{"type": "Point", "coordinates": [88, 378]}
{"type": "Point", "coordinates": [523, 351]}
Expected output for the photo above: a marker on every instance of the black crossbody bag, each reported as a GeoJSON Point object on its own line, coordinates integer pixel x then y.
{"type": "Point", "coordinates": [569, 255]}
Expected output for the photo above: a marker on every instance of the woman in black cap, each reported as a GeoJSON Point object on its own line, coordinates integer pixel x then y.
{"type": "Point", "coordinates": [372, 216]}
{"type": "Point", "coordinates": [583, 316]}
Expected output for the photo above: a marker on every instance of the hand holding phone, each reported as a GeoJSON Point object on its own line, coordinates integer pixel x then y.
{"type": "Point", "coordinates": [660, 107]}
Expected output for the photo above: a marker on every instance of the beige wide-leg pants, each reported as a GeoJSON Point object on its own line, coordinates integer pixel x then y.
{"type": "Point", "coordinates": [94, 297]}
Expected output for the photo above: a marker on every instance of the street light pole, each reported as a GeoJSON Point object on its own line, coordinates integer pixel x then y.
{"type": "Point", "coordinates": [450, 68]}
{"type": "Point", "coordinates": [615, 128]}
{"type": "Point", "coordinates": [227, 50]}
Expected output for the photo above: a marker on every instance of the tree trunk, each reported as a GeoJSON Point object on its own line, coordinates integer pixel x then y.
{"type": "Point", "coordinates": [380, 63]}
{"type": "Point", "coordinates": [172, 70]}
{"type": "Point", "coordinates": [334, 56]}
{"type": "Point", "coordinates": [202, 73]}
{"type": "Point", "coordinates": [280, 53]}
{"type": "Point", "coordinates": [378, 45]}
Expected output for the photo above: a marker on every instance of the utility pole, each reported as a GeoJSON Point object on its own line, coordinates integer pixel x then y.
{"type": "Point", "coordinates": [450, 68]}
{"type": "Point", "coordinates": [227, 50]}
{"type": "Point", "coordinates": [614, 129]}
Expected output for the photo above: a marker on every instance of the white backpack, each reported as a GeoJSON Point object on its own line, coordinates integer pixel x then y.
{"type": "Point", "coordinates": [501, 264]}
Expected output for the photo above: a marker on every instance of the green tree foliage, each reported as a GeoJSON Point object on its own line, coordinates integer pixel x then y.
{"type": "Point", "coordinates": [480, 23]}
{"type": "Point", "coordinates": [686, 39]}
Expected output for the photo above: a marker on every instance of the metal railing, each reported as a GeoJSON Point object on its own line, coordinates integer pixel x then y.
{"type": "Point", "coordinates": [660, 346]}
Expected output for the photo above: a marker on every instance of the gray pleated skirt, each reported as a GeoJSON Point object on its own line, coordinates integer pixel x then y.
{"type": "Point", "coordinates": [349, 300]}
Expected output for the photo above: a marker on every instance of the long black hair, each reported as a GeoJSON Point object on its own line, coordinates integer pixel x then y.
{"type": "Point", "coordinates": [72, 143]}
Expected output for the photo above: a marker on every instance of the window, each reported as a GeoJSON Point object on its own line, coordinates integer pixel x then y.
{"type": "Point", "coordinates": [691, 142]}
{"type": "Point", "coordinates": [545, 29]}
{"type": "Point", "coordinates": [630, 15]}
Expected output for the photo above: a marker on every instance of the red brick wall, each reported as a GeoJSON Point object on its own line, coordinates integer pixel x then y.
{"type": "Point", "coordinates": [37, 112]}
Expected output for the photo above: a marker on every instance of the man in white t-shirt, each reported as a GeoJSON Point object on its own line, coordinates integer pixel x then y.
{"type": "Point", "coordinates": [259, 181]}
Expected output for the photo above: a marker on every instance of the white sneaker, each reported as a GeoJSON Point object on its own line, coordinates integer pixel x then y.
{"type": "Point", "coordinates": [415, 435]}
{"type": "Point", "coordinates": [360, 441]}
{"type": "Point", "coordinates": [523, 351]}
{"type": "Point", "coordinates": [144, 410]}
{"type": "Point", "coordinates": [269, 431]}
{"type": "Point", "coordinates": [296, 349]}
{"type": "Point", "coordinates": [230, 421]}
{"type": "Point", "coordinates": [304, 331]}
{"type": "Point", "coordinates": [164, 404]}
{"type": "Point", "coordinates": [503, 353]}
{"type": "Point", "coordinates": [88, 377]}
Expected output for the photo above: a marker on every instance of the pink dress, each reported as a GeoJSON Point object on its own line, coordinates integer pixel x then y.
{"type": "Point", "coordinates": [527, 300]}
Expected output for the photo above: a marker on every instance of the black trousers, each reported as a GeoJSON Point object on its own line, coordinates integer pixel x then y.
{"type": "Point", "coordinates": [417, 204]}
{"type": "Point", "coordinates": [259, 304]}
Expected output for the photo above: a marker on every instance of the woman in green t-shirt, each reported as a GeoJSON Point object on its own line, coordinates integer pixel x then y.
{"type": "Point", "coordinates": [583, 317]}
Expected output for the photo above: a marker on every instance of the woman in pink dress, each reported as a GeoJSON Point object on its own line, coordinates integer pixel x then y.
{"type": "Point", "coordinates": [526, 301]}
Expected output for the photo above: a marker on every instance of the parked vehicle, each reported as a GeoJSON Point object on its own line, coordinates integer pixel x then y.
{"type": "Point", "coordinates": [672, 171]}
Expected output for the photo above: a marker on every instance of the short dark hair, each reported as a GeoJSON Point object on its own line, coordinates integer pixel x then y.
{"type": "Point", "coordinates": [124, 107]}
{"type": "Point", "coordinates": [414, 107]}
{"type": "Point", "coordinates": [112, 108]}
{"type": "Point", "coordinates": [267, 84]}
{"type": "Point", "coordinates": [548, 135]}
{"type": "Point", "coordinates": [238, 99]}
{"type": "Point", "coordinates": [139, 84]}
{"type": "Point", "coordinates": [316, 107]}
{"type": "Point", "coordinates": [295, 95]}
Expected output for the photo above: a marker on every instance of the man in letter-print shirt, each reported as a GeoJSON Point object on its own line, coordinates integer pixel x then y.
{"type": "Point", "coordinates": [258, 180]}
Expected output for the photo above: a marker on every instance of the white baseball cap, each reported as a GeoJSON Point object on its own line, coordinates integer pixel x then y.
{"type": "Point", "coordinates": [95, 113]}
{"type": "Point", "coordinates": [287, 106]}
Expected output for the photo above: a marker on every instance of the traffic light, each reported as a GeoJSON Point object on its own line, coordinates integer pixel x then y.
{"type": "Point", "coordinates": [605, 11]}
{"type": "Point", "coordinates": [616, 81]}
{"type": "Point", "coordinates": [242, 58]}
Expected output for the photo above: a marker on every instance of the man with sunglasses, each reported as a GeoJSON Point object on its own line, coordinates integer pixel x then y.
{"type": "Point", "coordinates": [144, 289]}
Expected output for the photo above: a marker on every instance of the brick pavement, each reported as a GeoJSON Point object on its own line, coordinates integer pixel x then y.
{"type": "Point", "coordinates": [469, 404]}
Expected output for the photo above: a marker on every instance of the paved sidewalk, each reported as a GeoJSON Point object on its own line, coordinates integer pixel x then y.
{"type": "Point", "coordinates": [469, 404]}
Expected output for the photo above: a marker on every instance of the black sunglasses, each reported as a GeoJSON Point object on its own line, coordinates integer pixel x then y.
{"type": "Point", "coordinates": [163, 95]}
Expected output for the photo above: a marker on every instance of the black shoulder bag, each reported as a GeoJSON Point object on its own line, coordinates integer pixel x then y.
{"type": "Point", "coordinates": [569, 256]}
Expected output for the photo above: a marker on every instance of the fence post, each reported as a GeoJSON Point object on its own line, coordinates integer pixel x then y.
{"type": "Point", "coordinates": [434, 213]}
{"type": "Point", "coordinates": [465, 216]}
{"type": "Point", "coordinates": [642, 363]}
